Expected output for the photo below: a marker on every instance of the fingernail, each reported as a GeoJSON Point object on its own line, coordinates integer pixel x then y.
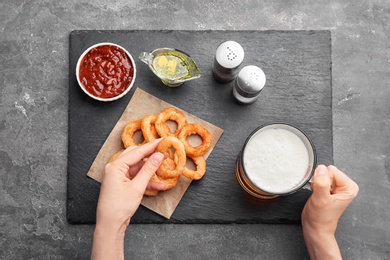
{"type": "Point", "coordinates": [321, 170]}
{"type": "Point", "coordinates": [157, 158]}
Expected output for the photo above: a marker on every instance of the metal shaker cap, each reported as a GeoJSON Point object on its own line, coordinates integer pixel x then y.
{"type": "Point", "coordinates": [229, 54]}
{"type": "Point", "coordinates": [250, 81]}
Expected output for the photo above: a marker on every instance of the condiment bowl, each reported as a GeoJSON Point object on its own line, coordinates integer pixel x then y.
{"type": "Point", "coordinates": [106, 71]}
{"type": "Point", "coordinates": [173, 67]}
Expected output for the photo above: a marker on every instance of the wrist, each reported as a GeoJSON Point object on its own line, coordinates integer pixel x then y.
{"type": "Point", "coordinates": [116, 231]}
{"type": "Point", "coordinates": [321, 244]}
{"type": "Point", "coordinates": [108, 242]}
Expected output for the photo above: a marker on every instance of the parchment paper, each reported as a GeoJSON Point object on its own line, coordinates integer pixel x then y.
{"type": "Point", "coordinates": [141, 104]}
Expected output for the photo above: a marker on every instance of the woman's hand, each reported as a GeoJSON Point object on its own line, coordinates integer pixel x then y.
{"type": "Point", "coordinates": [123, 185]}
{"type": "Point", "coordinates": [333, 191]}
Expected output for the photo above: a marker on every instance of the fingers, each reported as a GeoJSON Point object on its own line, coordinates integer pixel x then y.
{"type": "Point", "coordinates": [321, 182]}
{"type": "Point", "coordinates": [343, 184]}
{"type": "Point", "coordinates": [341, 178]}
{"type": "Point", "coordinates": [133, 155]}
{"type": "Point", "coordinates": [330, 180]}
{"type": "Point", "coordinates": [148, 169]}
{"type": "Point", "coordinates": [156, 186]}
{"type": "Point", "coordinates": [134, 169]}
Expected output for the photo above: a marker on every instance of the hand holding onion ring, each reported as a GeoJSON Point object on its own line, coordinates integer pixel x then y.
{"type": "Point", "coordinates": [174, 143]}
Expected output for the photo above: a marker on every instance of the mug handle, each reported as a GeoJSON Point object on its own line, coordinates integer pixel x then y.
{"type": "Point", "coordinates": [308, 185]}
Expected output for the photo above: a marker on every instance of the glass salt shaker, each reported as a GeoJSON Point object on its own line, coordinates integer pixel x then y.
{"type": "Point", "coordinates": [228, 57]}
{"type": "Point", "coordinates": [248, 84]}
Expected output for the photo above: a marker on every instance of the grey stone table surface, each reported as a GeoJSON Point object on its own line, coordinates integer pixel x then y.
{"type": "Point", "coordinates": [34, 46]}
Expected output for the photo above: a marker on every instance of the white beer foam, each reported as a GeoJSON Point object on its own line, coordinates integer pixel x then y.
{"type": "Point", "coordinates": [276, 160]}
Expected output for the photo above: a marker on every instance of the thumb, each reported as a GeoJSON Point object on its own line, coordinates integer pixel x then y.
{"type": "Point", "coordinates": [148, 169]}
{"type": "Point", "coordinates": [321, 182]}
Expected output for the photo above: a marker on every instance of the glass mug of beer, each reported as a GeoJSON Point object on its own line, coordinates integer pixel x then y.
{"type": "Point", "coordinates": [276, 160]}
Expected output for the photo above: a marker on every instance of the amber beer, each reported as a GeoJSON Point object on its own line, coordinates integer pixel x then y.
{"type": "Point", "coordinates": [276, 160]}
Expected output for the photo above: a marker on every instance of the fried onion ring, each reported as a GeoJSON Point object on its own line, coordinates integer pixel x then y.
{"type": "Point", "coordinates": [164, 171]}
{"type": "Point", "coordinates": [151, 193]}
{"type": "Point", "coordinates": [115, 155]}
{"type": "Point", "coordinates": [191, 129]}
{"type": "Point", "coordinates": [148, 128]}
{"type": "Point", "coordinates": [128, 133]}
{"type": "Point", "coordinates": [173, 114]}
{"type": "Point", "coordinates": [175, 145]}
{"type": "Point", "coordinates": [169, 182]}
{"type": "Point", "coordinates": [200, 164]}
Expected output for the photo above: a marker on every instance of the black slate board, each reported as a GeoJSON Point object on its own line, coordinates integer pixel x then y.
{"type": "Point", "coordinates": [298, 90]}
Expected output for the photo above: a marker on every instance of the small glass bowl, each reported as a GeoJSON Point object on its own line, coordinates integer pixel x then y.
{"type": "Point", "coordinates": [193, 71]}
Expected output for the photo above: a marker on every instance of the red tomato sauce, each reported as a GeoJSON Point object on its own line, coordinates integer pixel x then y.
{"type": "Point", "coordinates": [106, 71]}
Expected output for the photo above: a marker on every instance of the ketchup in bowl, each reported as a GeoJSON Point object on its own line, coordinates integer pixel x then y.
{"type": "Point", "coordinates": [106, 71]}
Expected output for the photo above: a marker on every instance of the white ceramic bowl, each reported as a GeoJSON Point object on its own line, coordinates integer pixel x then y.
{"type": "Point", "coordinates": [120, 95]}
